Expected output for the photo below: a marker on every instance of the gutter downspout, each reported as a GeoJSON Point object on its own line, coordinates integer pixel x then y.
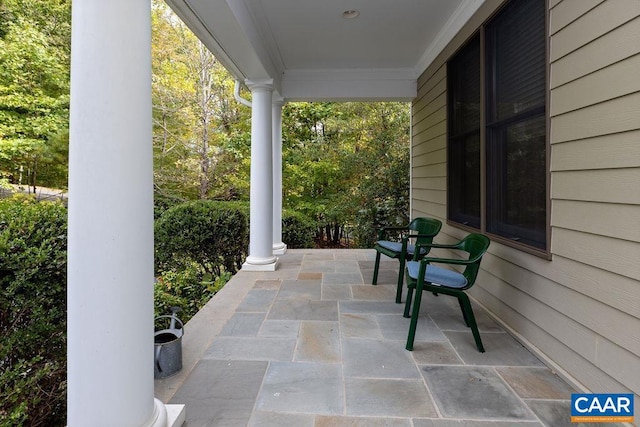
{"type": "Point", "coordinates": [236, 94]}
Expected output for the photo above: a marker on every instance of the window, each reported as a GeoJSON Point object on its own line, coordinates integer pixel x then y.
{"type": "Point", "coordinates": [464, 135]}
{"type": "Point", "coordinates": [507, 122]}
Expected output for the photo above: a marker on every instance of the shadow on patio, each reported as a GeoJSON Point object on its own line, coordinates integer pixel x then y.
{"type": "Point", "coordinates": [315, 344]}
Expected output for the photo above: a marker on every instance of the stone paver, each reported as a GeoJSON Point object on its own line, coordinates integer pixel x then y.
{"type": "Point", "coordinates": [473, 392]}
{"type": "Point", "coordinates": [302, 387]}
{"type": "Point", "coordinates": [388, 398]}
{"type": "Point", "coordinates": [366, 358]}
{"type": "Point", "coordinates": [243, 325]}
{"type": "Point", "coordinates": [318, 342]}
{"type": "Point", "coordinates": [500, 349]}
{"type": "Point", "coordinates": [235, 383]}
{"type": "Point", "coordinates": [258, 300]}
{"type": "Point", "coordinates": [535, 383]}
{"type": "Point", "coordinates": [313, 344]}
{"type": "Point", "coordinates": [242, 348]}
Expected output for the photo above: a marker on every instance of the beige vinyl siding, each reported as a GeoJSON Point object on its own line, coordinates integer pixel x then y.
{"type": "Point", "coordinates": [592, 218]}
{"type": "Point", "coordinates": [607, 49]}
{"type": "Point", "coordinates": [599, 185]}
{"type": "Point", "coordinates": [564, 13]}
{"type": "Point", "coordinates": [604, 18]}
{"type": "Point", "coordinates": [429, 144]}
{"type": "Point", "coordinates": [620, 150]}
{"type": "Point", "coordinates": [612, 116]}
{"type": "Point", "coordinates": [581, 309]}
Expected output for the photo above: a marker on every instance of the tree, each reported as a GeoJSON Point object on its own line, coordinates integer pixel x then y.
{"type": "Point", "coordinates": [347, 166]}
{"type": "Point", "coordinates": [34, 90]}
{"type": "Point", "coordinates": [198, 126]}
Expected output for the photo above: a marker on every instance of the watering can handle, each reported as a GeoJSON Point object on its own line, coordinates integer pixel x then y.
{"type": "Point", "coordinates": [157, 357]}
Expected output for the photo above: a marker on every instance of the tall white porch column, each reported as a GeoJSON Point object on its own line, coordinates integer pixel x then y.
{"type": "Point", "coordinates": [110, 237]}
{"type": "Point", "coordinates": [279, 247]}
{"type": "Point", "coordinates": [261, 203]}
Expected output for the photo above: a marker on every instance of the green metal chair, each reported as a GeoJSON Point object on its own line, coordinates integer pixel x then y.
{"type": "Point", "coordinates": [423, 276]}
{"type": "Point", "coordinates": [423, 230]}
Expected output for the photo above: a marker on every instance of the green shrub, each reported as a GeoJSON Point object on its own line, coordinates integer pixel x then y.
{"type": "Point", "coordinates": [162, 202]}
{"type": "Point", "coordinates": [212, 234]}
{"type": "Point", "coordinates": [298, 230]}
{"type": "Point", "coordinates": [33, 272]}
{"type": "Point", "coordinates": [190, 289]}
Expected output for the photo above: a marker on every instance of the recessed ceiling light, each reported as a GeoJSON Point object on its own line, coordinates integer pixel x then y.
{"type": "Point", "coordinates": [350, 14]}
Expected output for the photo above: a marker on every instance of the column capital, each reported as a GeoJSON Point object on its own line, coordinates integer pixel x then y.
{"type": "Point", "coordinates": [278, 101]}
{"type": "Point", "coordinates": [259, 85]}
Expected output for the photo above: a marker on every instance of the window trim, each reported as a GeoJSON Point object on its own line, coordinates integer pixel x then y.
{"type": "Point", "coordinates": [542, 253]}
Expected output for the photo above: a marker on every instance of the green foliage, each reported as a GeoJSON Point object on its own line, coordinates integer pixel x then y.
{"type": "Point", "coordinates": [162, 202]}
{"type": "Point", "coordinates": [211, 234]}
{"type": "Point", "coordinates": [298, 230]}
{"type": "Point", "coordinates": [189, 288]}
{"type": "Point", "coordinates": [32, 312]}
{"type": "Point", "coordinates": [384, 197]}
{"type": "Point", "coordinates": [201, 134]}
{"type": "Point", "coordinates": [34, 90]}
{"type": "Point", "coordinates": [347, 167]}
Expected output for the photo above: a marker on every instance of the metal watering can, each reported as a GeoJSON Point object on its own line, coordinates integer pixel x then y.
{"type": "Point", "coordinates": [168, 344]}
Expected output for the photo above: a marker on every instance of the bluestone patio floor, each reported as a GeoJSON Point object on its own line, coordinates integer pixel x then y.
{"type": "Point", "coordinates": [315, 344]}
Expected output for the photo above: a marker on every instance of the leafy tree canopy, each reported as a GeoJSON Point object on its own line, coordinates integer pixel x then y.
{"type": "Point", "coordinates": [34, 90]}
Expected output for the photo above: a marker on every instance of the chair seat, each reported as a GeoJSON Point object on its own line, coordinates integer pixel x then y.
{"type": "Point", "coordinates": [437, 275]}
{"type": "Point", "coordinates": [397, 246]}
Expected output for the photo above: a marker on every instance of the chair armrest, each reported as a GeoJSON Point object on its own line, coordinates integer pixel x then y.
{"type": "Point", "coordinates": [415, 236]}
{"type": "Point", "coordinates": [429, 246]}
{"type": "Point", "coordinates": [455, 261]}
{"type": "Point", "coordinates": [430, 260]}
{"type": "Point", "coordinates": [439, 245]}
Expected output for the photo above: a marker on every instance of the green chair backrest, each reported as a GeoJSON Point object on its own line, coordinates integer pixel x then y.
{"type": "Point", "coordinates": [429, 227]}
{"type": "Point", "coordinates": [476, 245]}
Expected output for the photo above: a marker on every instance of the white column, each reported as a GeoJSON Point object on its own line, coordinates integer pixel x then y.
{"type": "Point", "coordinates": [110, 237]}
{"type": "Point", "coordinates": [261, 195]}
{"type": "Point", "coordinates": [279, 247]}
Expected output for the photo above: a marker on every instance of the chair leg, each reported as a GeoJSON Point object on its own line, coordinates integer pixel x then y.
{"type": "Point", "coordinates": [466, 307]}
{"type": "Point", "coordinates": [464, 313]}
{"type": "Point", "coordinates": [400, 280]}
{"type": "Point", "coordinates": [375, 269]}
{"type": "Point", "coordinates": [414, 318]}
{"type": "Point", "coordinates": [407, 304]}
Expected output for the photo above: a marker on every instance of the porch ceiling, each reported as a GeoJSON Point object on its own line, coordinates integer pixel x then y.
{"type": "Point", "coordinates": [313, 53]}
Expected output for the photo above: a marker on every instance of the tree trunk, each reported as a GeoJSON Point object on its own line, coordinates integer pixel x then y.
{"type": "Point", "coordinates": [205, 83]}
{"type": "Point", "coordinates": [336, 234]}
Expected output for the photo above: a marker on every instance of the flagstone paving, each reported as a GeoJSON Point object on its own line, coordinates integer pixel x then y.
{"type": "Point", "coordinates": [314, 344]}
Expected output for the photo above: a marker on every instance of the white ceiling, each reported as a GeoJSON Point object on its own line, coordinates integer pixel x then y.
{"type": "Point", "coordinates": [313, 53]}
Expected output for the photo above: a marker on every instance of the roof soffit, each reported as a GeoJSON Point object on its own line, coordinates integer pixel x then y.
{"type": "Point", "coordinates": [308, 42]}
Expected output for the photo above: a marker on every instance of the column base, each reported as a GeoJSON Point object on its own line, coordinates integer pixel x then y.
{"type": "Point", "coordinates": [175, 415]}
{"type": "Point", "coordinates": [166, 415]}
{"type": "Point", "coordinates": [260, 264]}
{"type": "Point", "coordinates": [279, 248]}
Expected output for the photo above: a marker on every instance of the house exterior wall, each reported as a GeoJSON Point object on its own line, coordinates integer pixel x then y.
{"type": "Point", "coordinates": [580, 309]}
